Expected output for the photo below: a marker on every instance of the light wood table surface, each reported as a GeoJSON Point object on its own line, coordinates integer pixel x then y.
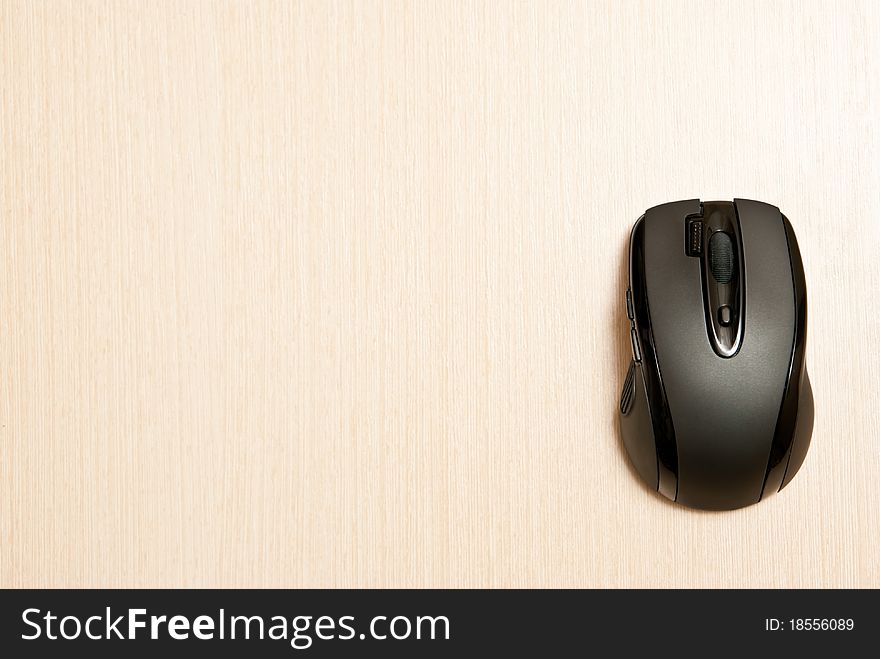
{"type": "Point", "coordinates": [331, 294]}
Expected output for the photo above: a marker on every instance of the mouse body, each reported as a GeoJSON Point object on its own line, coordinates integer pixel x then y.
{"type": "Point", "coordinates": [716, 410]}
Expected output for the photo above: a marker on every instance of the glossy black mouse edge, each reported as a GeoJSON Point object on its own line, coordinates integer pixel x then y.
{"type": "Point", "coordinates": [635, 416]}
{"type": "Point", "coordinates": [803, 430]}
{"type": "Point", "coordinates": [789, 429]}
{"type": "Point", "coordinates": [663, 432]}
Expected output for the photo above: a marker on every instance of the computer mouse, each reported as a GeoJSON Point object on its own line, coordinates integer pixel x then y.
{"type": "Point", "coordinates": [717, 410]}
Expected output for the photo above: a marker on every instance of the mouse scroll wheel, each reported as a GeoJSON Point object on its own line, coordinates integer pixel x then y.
{"type": "Point", "coordinates": [721, 257]}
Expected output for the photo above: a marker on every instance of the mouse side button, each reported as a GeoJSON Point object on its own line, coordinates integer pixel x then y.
{"type": "Point", "coordinates": [637, 354]}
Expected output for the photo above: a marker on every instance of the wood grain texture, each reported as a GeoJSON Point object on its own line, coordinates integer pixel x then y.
{"type": "Point", "coordinates": [331, 294]}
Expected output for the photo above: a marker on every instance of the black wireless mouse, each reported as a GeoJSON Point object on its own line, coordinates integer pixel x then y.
{"type": "Point", "coordinates": [716, 410]}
